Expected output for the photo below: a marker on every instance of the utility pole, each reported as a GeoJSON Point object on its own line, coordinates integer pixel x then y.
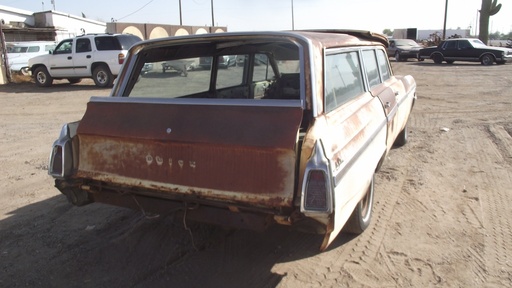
{"type": "Point", "coordinates": [293, 20]}
{"type": "Point", "coordinates": [213, 20]}
{"type": "Point", "coordinates": [445, 16]}
{"type": "Point", "coordinates": [181, 19]}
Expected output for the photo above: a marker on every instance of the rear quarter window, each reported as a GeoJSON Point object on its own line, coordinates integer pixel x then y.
{"type": "Point", "coordinates": [127, 41]}
{"type": "Point", "coordinates": [105, 43]}
{"type": "Point", "coordinates": [343, 79]}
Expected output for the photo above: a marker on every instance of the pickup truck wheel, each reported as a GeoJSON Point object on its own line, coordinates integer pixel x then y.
{"type": "Point", "coordinates": [401, 139]}
{"type": "Point", "coordinates": [362, 214]}
{"type": "Point", "coordinates": [487, 59]}
{"type": "Point", "coordinates": [74, 80]}
{"type": "Point", "coordinates": [102, 76]}
{"type": "Point", "coordinates": [438, 58]}
{"type": "Point", "coordinates": [42, 77]}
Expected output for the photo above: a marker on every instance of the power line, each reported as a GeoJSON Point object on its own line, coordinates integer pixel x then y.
{"type": "Point", "coordinates": [136, 10]}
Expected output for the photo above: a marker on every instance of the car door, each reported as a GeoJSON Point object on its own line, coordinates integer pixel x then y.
{"type": "Point", "coordinates": [82, 57]}
{"type": "Point", "coordinates": [466, 50]}
{"type": "Point", "coordinates": [355, 138]}
{"type": "Point", "coordinates": [450, 50]}
{"type": "Point", "coordinates": [385, 87]}
{"type": "Point", "coordinates": [60, 64]}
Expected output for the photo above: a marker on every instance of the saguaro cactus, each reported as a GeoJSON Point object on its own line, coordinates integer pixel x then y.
{"type": "Point", "coordinates": [489, 8]}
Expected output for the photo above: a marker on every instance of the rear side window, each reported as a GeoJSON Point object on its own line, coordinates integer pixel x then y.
{"type": "Point", "coordinates": [343, 79]}
{"type": "Point", "coordinates": [105, 43]}
{"type": "Point", "coordinates": [83, 45]}
{"type": "Point", "coordinates": [33, 49]}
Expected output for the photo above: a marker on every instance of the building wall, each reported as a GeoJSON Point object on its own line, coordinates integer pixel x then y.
{"type": "Point", "coordinates": [13, 16]}
{"type": "Point", "coordinates": [152, 31]}
{"type": "Point", "coordinates": [67, 25]}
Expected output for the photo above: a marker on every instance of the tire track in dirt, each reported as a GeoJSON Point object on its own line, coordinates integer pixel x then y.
{"type": "Point", "coordinates": [495, 201]}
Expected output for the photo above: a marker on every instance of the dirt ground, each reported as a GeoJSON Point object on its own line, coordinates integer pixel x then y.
{"type": "Point", "coordinates": [442, 214]}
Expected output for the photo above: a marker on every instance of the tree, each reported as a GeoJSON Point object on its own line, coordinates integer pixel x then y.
{"type": "Point", "coordinates": [489, 8]}
{"type": "Point", "coordinates": [387, 32]}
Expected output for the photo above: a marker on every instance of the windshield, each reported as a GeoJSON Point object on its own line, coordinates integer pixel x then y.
{"type": "Point", "coordinates": [406, 42]}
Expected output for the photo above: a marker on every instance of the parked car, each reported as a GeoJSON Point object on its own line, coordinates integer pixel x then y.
{"type": "Point", "coordinates": [19, 53]}
{"type": "Point", "coordinates": [223, 61]}
{"type": "Point", "coordinates": [96, 56]}
{"type": "Point", "coordinates": [403, 49]}
{"type": "Point", "coordinates": [294, 136]}
{"type": "Point", "coordinates": [466, 49]}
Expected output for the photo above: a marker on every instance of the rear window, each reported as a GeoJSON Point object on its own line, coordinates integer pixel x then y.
{"type": "Point", "coordinates": [261, 71]}
{"type": "Point", "coordinates": [127, 41]}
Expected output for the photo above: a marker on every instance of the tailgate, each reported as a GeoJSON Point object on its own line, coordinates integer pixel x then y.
{"type": "Point", "coordinates": [234, 153]}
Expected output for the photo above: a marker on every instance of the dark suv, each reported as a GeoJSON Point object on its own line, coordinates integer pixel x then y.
{"type": "Point", "coordinates": [96, 56]}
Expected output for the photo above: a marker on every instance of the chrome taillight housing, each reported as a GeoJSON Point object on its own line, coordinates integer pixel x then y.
{"type": "Point", "coordinates": [317, 187]}
{"type": "Point", "coordinates": [61, 157]}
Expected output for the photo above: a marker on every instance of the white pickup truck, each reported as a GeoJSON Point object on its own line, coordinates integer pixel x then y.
{"type": "Point", "coordinates": [293, 134]}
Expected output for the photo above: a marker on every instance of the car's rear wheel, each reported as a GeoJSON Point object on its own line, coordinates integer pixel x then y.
{"type": "Point", "coordinates": [102, 76]}
{"type": "Point", "coordinates": [362, 214]}
{"type": "Point", "coordinates": [397, 56]}
{"type": "Point", "coordinates": [438, 58]}
{"type": "Point", "coordinates": [487, 59]}
{"type": "Point", "coordinates": [42, 77]}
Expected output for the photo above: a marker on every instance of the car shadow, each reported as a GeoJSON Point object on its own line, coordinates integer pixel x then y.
{"type": "Point", "coordinates": [58, 86]}
{"type": "Point", "coordinates": [54, 244]}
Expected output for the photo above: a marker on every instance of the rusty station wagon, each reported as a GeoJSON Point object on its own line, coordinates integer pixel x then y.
{"type": "Point", "coordinates": [293, 134]}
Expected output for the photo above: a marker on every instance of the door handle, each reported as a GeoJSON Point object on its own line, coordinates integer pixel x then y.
{"type": "Point", "coordinates": [69, 57]}
{"type": "Point", "coordinates": [88, 56]}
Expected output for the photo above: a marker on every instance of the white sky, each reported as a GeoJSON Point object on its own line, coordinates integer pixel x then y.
{"type": "Point", "coordinates": [245, 15]}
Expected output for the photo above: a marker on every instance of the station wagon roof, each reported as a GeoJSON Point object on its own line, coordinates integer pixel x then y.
{"type": "Point", "coordinates": [319, 38]}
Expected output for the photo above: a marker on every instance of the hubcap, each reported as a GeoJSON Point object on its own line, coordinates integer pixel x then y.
{"type": "Point", "coordinates": [41, 78]}
{"type": "Point", "coordinates": [102, 77]}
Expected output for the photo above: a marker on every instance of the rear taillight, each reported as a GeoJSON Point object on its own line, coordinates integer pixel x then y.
{"type": "Point", "coordinates": [120, 58]}
{"type": "Point", "coordinates": [317, 187]}
{"type": "Point", "coordinates": [315, 197]}
{"type": "Point", "coordinates": [56, 161]}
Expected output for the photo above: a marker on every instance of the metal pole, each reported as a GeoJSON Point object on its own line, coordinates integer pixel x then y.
{"type": "Point", "coordinates": [293, 18]}
{"type": "Point", "coordinates": [445, 16]}
{"type": "Point", "coordinates": [213, 20]}
{"type": "Point", "coordinates": [181, 19]}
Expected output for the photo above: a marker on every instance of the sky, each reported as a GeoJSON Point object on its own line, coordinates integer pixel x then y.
{"type": "Point", "coordinates": [246, 15]}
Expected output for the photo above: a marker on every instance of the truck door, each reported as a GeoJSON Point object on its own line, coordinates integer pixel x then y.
{"type": "Point", "coordinates": [82, 57]}
{"type": "Point", "coordinates": [61, 61]}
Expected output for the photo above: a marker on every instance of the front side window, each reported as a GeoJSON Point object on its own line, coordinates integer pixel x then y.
{"type": "Point", "coordinates": [64, 47]}
{"type": "Point", "coordinates": [370, 64]}
{"type": "Point", "coordinates": [382, 59]}
{"type": "Point", "coordinates": [343, 79]}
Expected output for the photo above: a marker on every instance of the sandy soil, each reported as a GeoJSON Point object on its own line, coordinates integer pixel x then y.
{"type": "Point", "coordinates": [442, 213]}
